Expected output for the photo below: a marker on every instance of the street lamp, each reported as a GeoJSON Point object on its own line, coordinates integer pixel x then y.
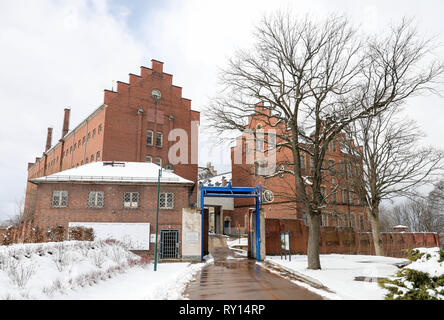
{"type": "Point", "coordinates": [157, 212]}
{"type": "Point", "coordinates": [157, 218]}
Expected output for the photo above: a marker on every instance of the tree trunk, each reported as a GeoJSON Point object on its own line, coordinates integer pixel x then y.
{"type": "Point", "coordinates": [314, 235]}
{"type": "Point", "coordinates": [376, 232]}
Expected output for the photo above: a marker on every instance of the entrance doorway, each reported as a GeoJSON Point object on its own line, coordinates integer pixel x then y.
{"type": "Point", "coordinates": [169, 244]}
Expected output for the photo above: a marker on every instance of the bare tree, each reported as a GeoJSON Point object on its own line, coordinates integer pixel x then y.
{"type": "Point", "coordinates": [314, 78]}
{"type": "Point", "coordinates": [418, 214]}
{"type": "Point", "coordinates": [394, 164]}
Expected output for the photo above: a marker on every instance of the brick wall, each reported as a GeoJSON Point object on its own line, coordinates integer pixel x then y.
{"type": "Point", "coordinates": [124, 128]}
{"type": "Point", "coordinates": [284, 205]}
{"type": "Point", "coordinates": [343, 240]}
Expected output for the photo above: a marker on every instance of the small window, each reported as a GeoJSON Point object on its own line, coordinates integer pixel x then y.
{"type": "Point", "coordinates": [148, 159]}
{"type": "Point", "coordinates": [159, 161]}
{"type": "Point", "coordinates": [344, 196]}
{"type": "Point", "coordinates": [100, 129]}
{"type": "Point", "coordinates": [312, 163]}
{"type": "Point", "coordinates": [331, 166]}
{"type": "Point", "coordinates": [361, 222]}
{"type": "Point", "coordinates": [94, 133]}
{"type": "Point", "coordinates": [302, 160]}
{"type": "Point", "coordinates": [92, 158]}
{"type": "Point", "coordinates": [89, 135]}
{"type": "Point", "coordinates": [166, 200]}
{"type": "Point", "coordinates": [131, 200]}
{"type": "Point", "coordinates": [86, 160]}
{"type": "Point", "coordinates": [323, 193]}
{"type": "Point", "coordinates": [159, 139]}
{"type": "Point", "coordinates": [149, 138]}
{"type": "Point", "coordinates": [333, 146]}
{"type": "Point", "coordinates": [95, 199]}
{"type": "Point", "coordinates": [324, 220]}
{"type": "Point", "coordinates": [83, 140]}
{"type": "Point", "coordinates": [98, 156]}
{"type": "Point", "coordinates": [80, 141]}
{"type": "Point", "coordinates": [60, 199]}
{"type": "Point", "coordinates": [350, 197]}
{"type": "Point", "coordinates": [75, 146]}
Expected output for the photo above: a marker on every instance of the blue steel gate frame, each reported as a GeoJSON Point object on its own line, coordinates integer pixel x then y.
{"type": "Point", "coordinates": [233, 192]}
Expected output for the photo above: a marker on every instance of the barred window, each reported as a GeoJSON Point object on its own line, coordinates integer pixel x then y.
{"type": "Point", "coordinates": [95, 199]}
{"type": "Point", "coordinates": [131, 200]}
{"type": "Point", "coordinates": [149, 138]}
{"type": "Point", "coordinates": [60, 199]}
{"type": "Point", "coordinates": [166, 200]}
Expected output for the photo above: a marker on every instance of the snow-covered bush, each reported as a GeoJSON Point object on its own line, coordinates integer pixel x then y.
{"type": "Point", "coordinates": [44, 270]}
{"type": "Point", "coordinates": [421, 279]}
{"type": "Point", "coordinates": [62, 257]}
{"type": "Point", "coordinates": [20, 272]}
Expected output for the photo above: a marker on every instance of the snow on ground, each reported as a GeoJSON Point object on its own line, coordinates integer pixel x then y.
{"type": "Point", "coordinates": [141, 283]}
{"type": "Point", "coordinates": [238, 242]}
{"type": "Point", "coordinates": [429, 262]}
{"type": "Point", "coordinates": [339, 270]}
{"type": "Point", "coordinates": [87, 270]}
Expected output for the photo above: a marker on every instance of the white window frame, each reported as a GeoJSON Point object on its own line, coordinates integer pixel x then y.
{"type": "Point", "coordinates": [132, 203]}
{"type": "Point", "coordinates": [151, 159]}
{"type": "Point", "coordinates": [161, 139]}
{"type": "Point", "coordinates": [93, 199]}
{"type": "Point", "coordinates": [164, 204]}
{"type": "Point", "coordinates": [60, 203]}
{"type": "Point", "coordinates": [152, 138]}
{"type": "Point", "coordinates": [159, 162]}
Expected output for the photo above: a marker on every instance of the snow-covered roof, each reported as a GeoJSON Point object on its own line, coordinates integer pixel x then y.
{"type": "Point", "coordinates": [400, 226]}
{"type": "Point", "coordinates": [216, 180]}
{"type": "Point", "coordinates": [104, 171]}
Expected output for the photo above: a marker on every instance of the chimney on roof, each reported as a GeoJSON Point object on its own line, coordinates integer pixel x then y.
{"type": "Point", "coordinates": [48, 139]}
{"type": "Point", "coordinates": [66, 122]}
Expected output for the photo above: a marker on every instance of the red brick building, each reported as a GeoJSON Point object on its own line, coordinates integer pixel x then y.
{"type": "Point", "coordinates": [344, 208]}
{"type": "Point", "coordinates": [132, 124]}
{"type": "Point", "coordinates": [113, 192]}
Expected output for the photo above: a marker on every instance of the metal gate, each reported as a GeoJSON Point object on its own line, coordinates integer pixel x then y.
{"type": "Point", "coordinates": [169, 244]}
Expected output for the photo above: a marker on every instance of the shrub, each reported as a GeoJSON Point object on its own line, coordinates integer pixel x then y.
{"type": "Point", "coordinates": [20, 273]}
{"type": "Point", "coordinates": [61, 257]}
{"type": "Point", "coordinates": [56, 234]}
{"type": "Point", "coordinates": [413, 284]}
{"type": "Point", "coordinates": [81, 234]}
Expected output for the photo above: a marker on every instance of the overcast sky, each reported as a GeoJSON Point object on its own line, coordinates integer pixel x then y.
{"type": "Point", "coordinates": [57, 54]}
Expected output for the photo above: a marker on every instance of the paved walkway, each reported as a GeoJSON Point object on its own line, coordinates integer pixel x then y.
{"type": "Point", "coordinates": [233, 277]}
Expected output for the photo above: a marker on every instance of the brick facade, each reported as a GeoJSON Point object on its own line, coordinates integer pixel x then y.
{"type": "Point", "coordinates": [340, 210]}
{"type": "Point", "coordinates": [117, 130]}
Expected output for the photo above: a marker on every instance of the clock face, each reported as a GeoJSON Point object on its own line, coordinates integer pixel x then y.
{"type": "Point", "coordinates": [156, 94]}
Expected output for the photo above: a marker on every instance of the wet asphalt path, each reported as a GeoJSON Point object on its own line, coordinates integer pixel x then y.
{"type": "Point", "coordinates": [232, 277]}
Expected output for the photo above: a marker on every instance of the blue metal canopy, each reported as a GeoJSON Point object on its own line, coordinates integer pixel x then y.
{"type": "Point", "coordinates": [234, 192]}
